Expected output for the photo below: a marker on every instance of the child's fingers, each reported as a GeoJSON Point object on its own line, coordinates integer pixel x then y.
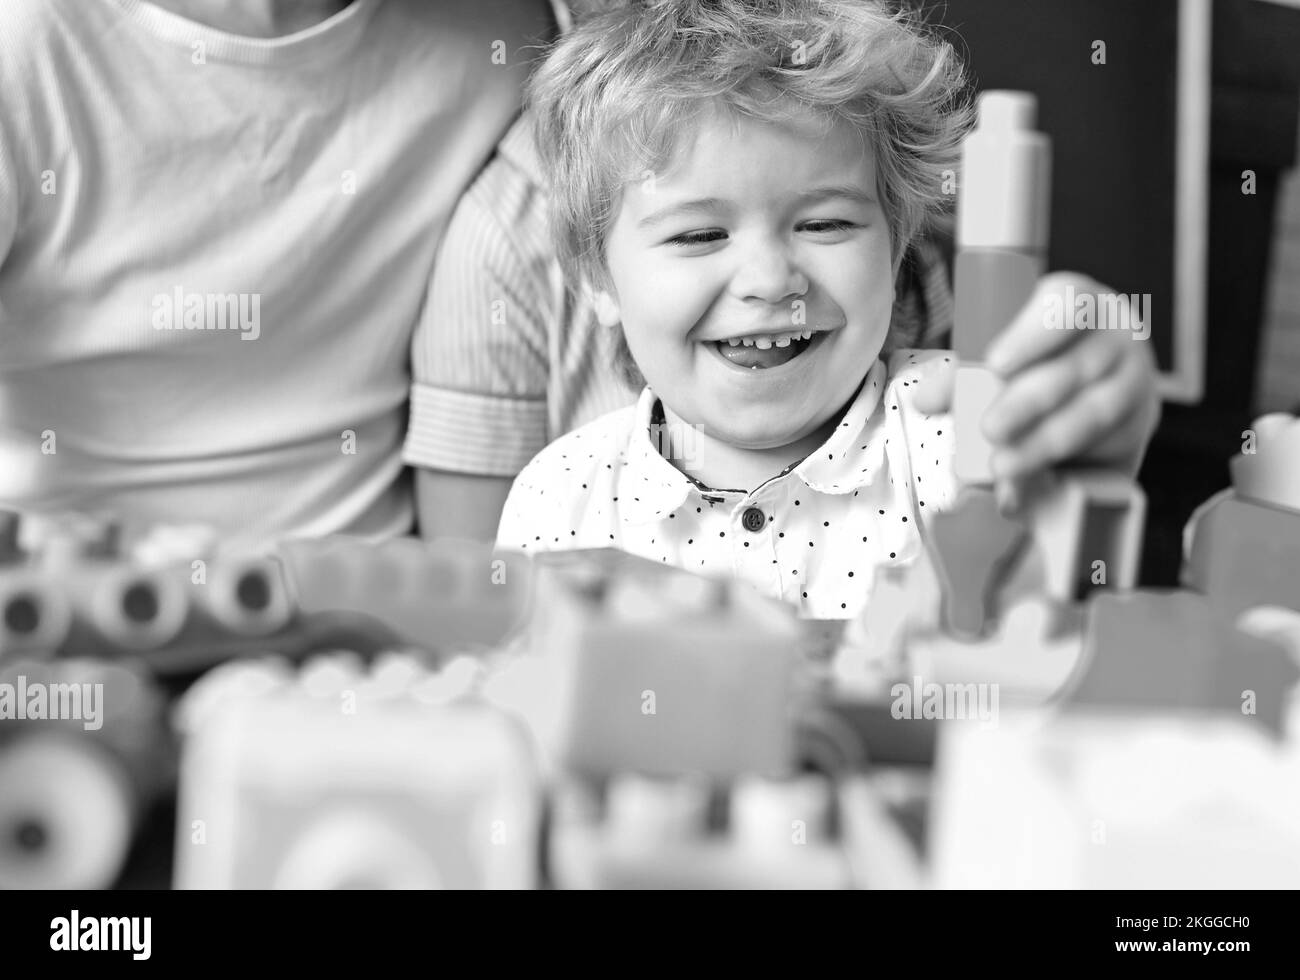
{"type": "Point", "coordinates": [1040, 389]}
{"type": "Point", "coordinates": [1030, 337]}
{"type": "Point", "coordinates": [934, 395]}
{"type": "Point", "coordinates": [1076, 430]}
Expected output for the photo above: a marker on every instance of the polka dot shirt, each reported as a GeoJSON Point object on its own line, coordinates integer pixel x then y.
{"type": "Point", "coordinates": [813, 535]}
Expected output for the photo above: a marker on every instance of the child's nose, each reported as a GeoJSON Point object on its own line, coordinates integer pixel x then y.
{"type": "Point", "coordinates": [766, 273]}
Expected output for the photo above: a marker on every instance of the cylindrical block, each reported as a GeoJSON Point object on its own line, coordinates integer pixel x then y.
{"type": "Point", "coordinates": [67, 811]}
{"type": "Point", "coordinates": [137, 609]}
{"type": "Point", "coordinates": [246, 596]}
{"type": "Point", "coordinates": [34, 614]}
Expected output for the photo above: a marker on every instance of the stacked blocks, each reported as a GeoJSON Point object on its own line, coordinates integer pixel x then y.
{"type": "Point", "coordinates": [636, 666]}
{"type": "Point", "coordinates": [667, 707]}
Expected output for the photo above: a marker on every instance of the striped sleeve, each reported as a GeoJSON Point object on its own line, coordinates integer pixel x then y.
{"type": "Point", "coordinates": [480, 351]}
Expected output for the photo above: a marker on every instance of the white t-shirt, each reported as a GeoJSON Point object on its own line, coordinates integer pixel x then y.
{"type": "Point", "coordinates": [213, 251]}
{"type": "Point", "coordinates": [813, 535]}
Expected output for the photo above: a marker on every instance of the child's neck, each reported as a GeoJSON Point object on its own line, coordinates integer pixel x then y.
{"type": "Point", "coordinates": [721, 466]}
{"type": "Point", "coordinates": [255, 18]}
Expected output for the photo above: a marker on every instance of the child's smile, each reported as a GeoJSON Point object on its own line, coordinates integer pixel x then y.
{"type": "Point", "coordinates": [753, 281]}
{"type": "Point", "coordinates": [767, 350]}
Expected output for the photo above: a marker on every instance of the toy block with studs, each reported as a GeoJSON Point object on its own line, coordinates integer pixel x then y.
{"type": "Point", "coordinates": [338, 775]}
{"type": "Point", "coordinates": [632, 665]}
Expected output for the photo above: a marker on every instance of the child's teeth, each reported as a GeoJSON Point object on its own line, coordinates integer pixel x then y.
{"type": "Point", "coordinates": [733, 342]}
{"type": "Point", "coordinates": [747, 341]}
{"type": "Point", "coordinates": [764, 343]}
{"type": "Point", "coordinates": [783, 340]}
{"type": "Point", "coordinates": [806, 335]}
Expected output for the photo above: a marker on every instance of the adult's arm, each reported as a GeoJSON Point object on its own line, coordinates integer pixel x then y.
{"type": "Point", "coordinates": [459, 505]}
{"type": "Point", "coordinates": [480, 355]}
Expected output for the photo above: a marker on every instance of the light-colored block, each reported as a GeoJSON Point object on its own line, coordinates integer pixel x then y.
{"type": "Point", "coordinates": [974, 388]}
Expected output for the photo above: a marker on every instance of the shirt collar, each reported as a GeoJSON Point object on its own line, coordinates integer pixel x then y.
{"type": "Point", "coordinates": [854, 453]}
{"type": "Point", "coordinates": [650, 488]}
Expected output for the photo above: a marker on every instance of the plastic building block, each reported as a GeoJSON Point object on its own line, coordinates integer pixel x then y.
{"type": "Point", "coordinates": [678, 833]}
{"type": "Point", "coordinates": [632, 665]}
{"type": "Point", "coordinates": [182, 601]}
{"type": "Point", "coordinates": [35, 615]}
{"type": "Point", "coordinates": [68, 601]}
{"type": "Point", "coordinates": [1115, 801]}
{"type": "Point", "coordinates": [973, 546]}
{"type": "Point", "coordinates": [974, 388]}
{"type": "Point", "coordinates": [1003, 214]}
{"type": "Point", "coordinates": [1244, 554]}
{"type": "Point", "coordinates": [339, 777]}
{"type": "Point", "coordinates": [1031, 659]}
{"type": "Point", "coordinates": [84, 751]}
{"type": "Point", "coordinates": [1270, 475]}
{"type": "Point", "coordinates": [873, 650]}
{"type": "Point", "coordinates": [1177, 651]}
{"type": "Point", "coordinates": [987, 311]}
{"type": "Point", "coordinates": [447, 596]}
{"type": "Point", "coordinates": [1088, 526]}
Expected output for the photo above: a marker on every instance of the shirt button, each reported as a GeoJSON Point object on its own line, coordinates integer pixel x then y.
{"type": "Point", "coordinates": [753, 519]}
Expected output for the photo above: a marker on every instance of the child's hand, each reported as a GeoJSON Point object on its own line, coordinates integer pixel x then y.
{"type": "Point", "coordinates": [1085, 396]}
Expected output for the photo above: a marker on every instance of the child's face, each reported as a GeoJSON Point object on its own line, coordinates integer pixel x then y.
{"type": "Point", "coordinates": [757, 233]}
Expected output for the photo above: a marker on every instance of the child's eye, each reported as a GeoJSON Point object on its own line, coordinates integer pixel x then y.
{"type": "Point", "coordinates": [828, 225]}
{"type": "Point", "coordinates": [707, 237]}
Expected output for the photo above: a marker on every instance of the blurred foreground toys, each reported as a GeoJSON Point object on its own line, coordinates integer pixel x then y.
{"type": "Point", "coordinates": [1117, 799]}
{"type": "Point", "coordinates": [1008, 711]}
{"type": "Point", "coordinates": [1021, 614]}
{"type": "Point", "coordinates": [1146, 738]}
{"type": "Point", "coordinates": [99, 628]}
{"type": "Point", "coordinates": [668, 709]}
{"type": "Point", "coordinates": [179, 601]}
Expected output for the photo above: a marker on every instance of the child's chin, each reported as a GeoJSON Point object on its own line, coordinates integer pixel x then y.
{"type": "Point", "coordinates": [772, 437]}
